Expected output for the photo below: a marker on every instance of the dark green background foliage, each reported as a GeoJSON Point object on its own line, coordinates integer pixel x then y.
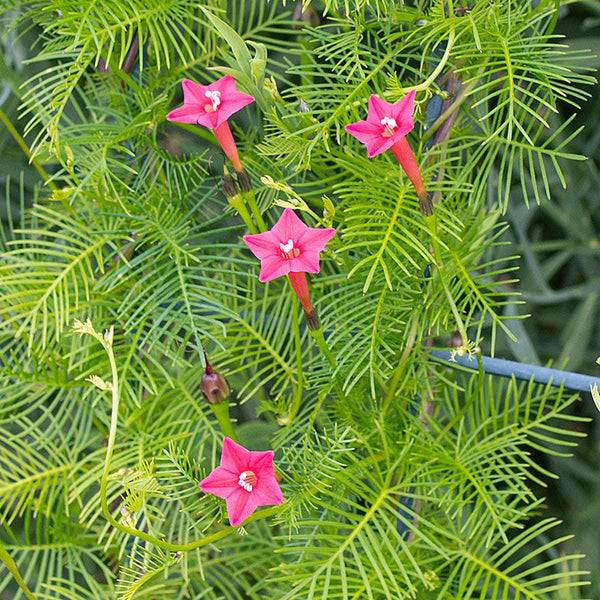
{"type": "Point", "coordinates": [402, 478]}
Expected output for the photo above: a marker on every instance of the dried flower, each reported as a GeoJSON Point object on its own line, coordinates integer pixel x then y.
{"type": "Point", "coordinates": [245, 479]}
{"type": "Point", "coordinates": [386, 127]}
{"type": "Point", "coordinates": [211, 105]}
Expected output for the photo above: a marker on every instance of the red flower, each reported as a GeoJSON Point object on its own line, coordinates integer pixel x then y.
{"type": "Point", "coordinates": [211, 105]}
{"type": "Point", "coordinates": [386, 124]}
{"type": "Point", "coordinates": [290, 248]}
{"type": "Point", "coordinates": [386, 127]}
{"type": "Point", "coordinates": [245, 479]}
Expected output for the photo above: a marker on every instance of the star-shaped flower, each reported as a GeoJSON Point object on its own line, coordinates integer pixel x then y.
{"type": "Point", "coordinates": [386, 123]}
{"type": "Point", "coordinates": [386, 127]}
{"type": "Point", "coordinates": [209, 105]}
{"type": "Point", "coordinates": [289, 247]}
{"type": "Point", "coordinates": [245, 479]}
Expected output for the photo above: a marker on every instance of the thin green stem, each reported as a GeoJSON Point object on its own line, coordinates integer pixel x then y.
{"type": "Point", "coordinates": [250, 198]}
{"type": "Point", "coordinates": [238, 203]}
{"type": "Point", "coordinates": [439, 68]}
{"type": "Point", "coordinates": [221, 411]}
{"type": "Point", "coordinates": [17, 137]}
{"type": "Point", "coordinates": [106, 342]}
{"type": "Point", "coordinates": [298, 344]}
{"type": "Point", "coordinates": [11, 565]}
{"type": "Point", "coordinates": [317, 335]}
{"type": "Point", "coordinates": [431, 222]}
{"type": "Point", "coordinates": [399, 372]}
{"type": "Point", "coordinates": [320, 339]}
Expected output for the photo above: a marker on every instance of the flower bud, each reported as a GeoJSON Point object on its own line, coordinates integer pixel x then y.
{"type": "Point", "coordinates": [214, 387]}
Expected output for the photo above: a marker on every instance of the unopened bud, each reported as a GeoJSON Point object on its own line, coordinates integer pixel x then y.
{"type": "Point", "coordinates": [305, 16]}
{"type": "Point", "coordinates": [214, 387]}
{"type": "Point", "coordinates": [304, 107]}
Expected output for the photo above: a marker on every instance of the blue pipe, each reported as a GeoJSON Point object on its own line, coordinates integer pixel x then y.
{"type": "Point", "coordinates": [521, 371]}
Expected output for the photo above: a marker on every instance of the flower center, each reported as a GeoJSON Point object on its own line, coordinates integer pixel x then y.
{"type": "Point", "coordinates": [247, 480]}
{"type": "Point", "coordinates": [215, 100]}
{"type": "Point", "coordinates": [289, 250]}
{"type": "Point", "coordinates": [389, 125]}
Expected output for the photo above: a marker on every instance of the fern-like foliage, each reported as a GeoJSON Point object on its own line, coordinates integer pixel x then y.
{"type": "Point", "coordinates": [401, 479]}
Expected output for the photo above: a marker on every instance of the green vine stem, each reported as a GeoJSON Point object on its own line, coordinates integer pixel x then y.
{"type": "Point", "coordinates": [431, 222]}
{"type": "Point", "coordinates": [298, 388]}
{"type": "Point", "coordinates": [106, 342]}
{"type": "Point", "coordinates": [238, 204]}
{"type": "Point", "coordinates": [11, 565]}
{"type": "Point", "coordinates": [250, 198]}
{"type": "Point", "coordinates": [320, 339]}
{"type": "Point", "coordinates": [221, 412]}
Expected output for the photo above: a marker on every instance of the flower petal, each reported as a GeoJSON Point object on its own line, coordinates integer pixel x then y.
{"type": "Point", "coordinates": [288, 227]}
{"type": "Point", "coordinates": [188, 113]}
{"type": "Point", "coordinates": [309, 241]}
{"type": "Point", "coordinates": [308, 261]}
{"type": "Point", "coordinates": [240, 506]}
{"type": "Point", "coordinates": [195, 102]}
{"type": "Point", "coordinates": [262, 245]}
{"type": "Point", "coordinates": [378, 109]}
{"type": "Point", "coordinates": [194, 93]}
{"type": "Point", "coordinates": [267, 491]}
{"type": "Point", "coordinates": [381, 144]}
{"type": "Point", "coordinates": [220, 482]}
{"type": "Point", "coordinates": [234, 458]}
{"type": "Point", "coordinates": [402, 112]}
{"type": "Point", "coordinates": [363, 131]}
{"type": "Point", "coordinates": [232, 105]}
{"type": "Point", "coordinates": [370, 135]}
{"type": "Point", "coordinates": [315, 239]}
{"type": "Point", "coordinates": [272, 267]}
{"type": "Point", "coordinates": [261, 463]}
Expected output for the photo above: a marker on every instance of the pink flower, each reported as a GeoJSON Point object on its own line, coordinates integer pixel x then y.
{"type": "Point", "coordinates": [245, 479]}
{"type": "Point", "coordinates": [386, 124]}
{"type": "Point", "coordinates": [290, 248]}
{"type": "Point", "coordinates": [211, 105]}
{"type": "Point", "coordinates": [386, 127]}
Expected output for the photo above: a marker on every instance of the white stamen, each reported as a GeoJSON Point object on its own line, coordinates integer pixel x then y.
{"type": "Point", "coordinates": [287, 247]}
{"type": "Point", "coordinates": [215, 99]}
{"type": "Point", "coordinates": [242, 482]}
{"type": "Point", "coordinates": [289, 250]}
{"type": "Point", "coordinates": [389, 122]}
{"type": "Point", "coordinates": [390, 125]}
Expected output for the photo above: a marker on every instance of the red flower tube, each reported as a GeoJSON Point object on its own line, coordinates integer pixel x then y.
{"type": "Point", "coordinates": [291, 248]}
{"type": "Point", "coordinates": [386, 127]}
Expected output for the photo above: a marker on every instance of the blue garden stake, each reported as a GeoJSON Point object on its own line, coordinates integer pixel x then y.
{"type": "Point", "coordinates": [521, 371]}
